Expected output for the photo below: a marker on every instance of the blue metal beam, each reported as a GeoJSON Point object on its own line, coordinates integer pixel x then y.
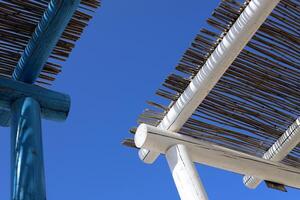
{"type": "Point", "coordinates": [44, 39]}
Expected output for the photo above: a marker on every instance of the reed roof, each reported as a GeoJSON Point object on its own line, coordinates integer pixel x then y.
{"type": "Point", "coordinates": [257, 99]}
{"type": "Point", "coordinates": [18, 20]}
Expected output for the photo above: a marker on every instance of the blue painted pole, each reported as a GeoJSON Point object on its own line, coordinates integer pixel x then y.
{"type": "Point", "coordinates": [27, 152]}
{"type": "Point", "coordinates": [28, 182]}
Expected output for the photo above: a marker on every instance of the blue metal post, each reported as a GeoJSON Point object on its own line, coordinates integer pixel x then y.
{"type": "Point", "coordinates": [28, 179]}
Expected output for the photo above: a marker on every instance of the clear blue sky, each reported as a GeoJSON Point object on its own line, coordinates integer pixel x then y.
{"type": "Point", "coordinates": [123, 57]}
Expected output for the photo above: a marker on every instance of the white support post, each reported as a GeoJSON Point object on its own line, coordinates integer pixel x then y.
{"type": "Point", "coordinates": [279, 150]}
{"type": "Point", "coordinates": [216, 65]}
{"type": "Point", "coordinates": [184, 173]}
{"type": "Point", "coordinates": [153, 138]}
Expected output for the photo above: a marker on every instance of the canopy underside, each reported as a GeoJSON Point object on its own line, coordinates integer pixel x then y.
{"type": "Point", "coordinates": [18, 20]}
{"type": "Point", "coordinates": [257, 99]}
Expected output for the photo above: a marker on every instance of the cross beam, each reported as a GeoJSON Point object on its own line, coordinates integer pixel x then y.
{"type": "Point", "coordinates": [161, 141]}
{"type": "Point", "coordinates": [54, 105]}
{"type": "Point", "coordinates": [279, 150]}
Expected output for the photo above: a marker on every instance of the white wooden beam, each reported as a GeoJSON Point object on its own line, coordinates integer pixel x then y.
{"type": "Point", "coordinates": [185, 175]}
{"type": "Point", "coordinates": [225, 53]}
{"type": "Point", "coordinates": [279, 150]}
{"type": "Point", "coordinates": [160, 141]}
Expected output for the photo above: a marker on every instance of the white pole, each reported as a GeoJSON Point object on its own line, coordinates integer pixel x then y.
{"type": "Point", "coordinates": [185, 176]}
{"type": "Point", "coordinates": [153, 138]}
{"type": "Point", "coordinates": [232, 44]}
{"type": "Point", "coordinates": [280, 149]}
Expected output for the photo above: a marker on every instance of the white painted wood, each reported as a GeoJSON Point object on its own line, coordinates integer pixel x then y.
{"type": "Point", "coordinates": [185, 175]}
{"type": "Point", "coordinates": [279, 150]}
{"type": "Point", "coordinates": [159, 140]}
{"type": "Point", "coordinates": [232, 44]}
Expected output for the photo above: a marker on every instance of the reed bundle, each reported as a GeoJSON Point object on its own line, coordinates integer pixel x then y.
{"type": "Point", "coordinates": [257, 99]}
{"type": "Point", "coordinates": [18, 20]}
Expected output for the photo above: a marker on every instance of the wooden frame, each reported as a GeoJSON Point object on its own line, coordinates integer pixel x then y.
{"type": "Point", "coordinates": [235, 40]}
{"type": "Point", "coordinates": [28, 125]}
{"type": "Point", "coordinates": [161, 141]}
{"type": "Point", "coordinates": [225, 53]}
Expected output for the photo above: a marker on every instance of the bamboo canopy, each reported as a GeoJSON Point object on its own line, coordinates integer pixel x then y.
{"type": "Point", "coordinates": [18, 20]}
{"type": "Point", "coordinates": [257, 99]}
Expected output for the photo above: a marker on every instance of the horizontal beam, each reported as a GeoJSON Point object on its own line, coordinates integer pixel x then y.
{"type": "Point", "coordinates": [160, 141]}
{"type": "Point", "coordinates": [44, 39]}
{"type": "Point", "coordinates": [216, 65]}
{"type": "Point", "coordinates": [54, 105]}
{"type": "Point", "coordinates": [279, 150]}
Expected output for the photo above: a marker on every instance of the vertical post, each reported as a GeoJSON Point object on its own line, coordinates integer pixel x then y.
{"type": "Point", "coordinates": [27, 176]}
{"type": "Point", "coordinates": [184, 173]}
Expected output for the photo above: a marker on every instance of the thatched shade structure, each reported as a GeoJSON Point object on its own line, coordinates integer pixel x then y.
{"type": "Point", "coordinates": [257, 99]}
{"type": "Point", "coordinates": [36, 36]}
